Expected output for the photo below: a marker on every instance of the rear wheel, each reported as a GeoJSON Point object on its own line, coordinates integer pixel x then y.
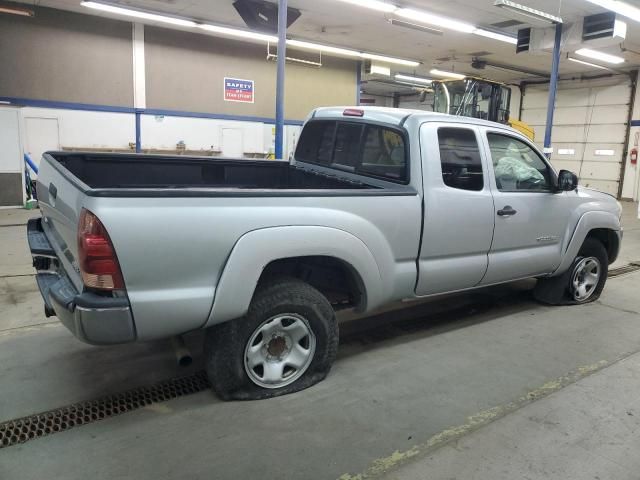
{"type": "Point", "coordinates": [582, 283]}
{"type": "Point", "coordinates": [286, 342]}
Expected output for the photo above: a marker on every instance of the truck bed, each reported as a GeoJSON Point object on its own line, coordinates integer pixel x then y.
{"type": "Point", "coordinates": [135, 171]}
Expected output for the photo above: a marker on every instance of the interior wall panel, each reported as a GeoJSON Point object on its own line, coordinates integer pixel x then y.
{"type": "Point", "coordinates": [185, 71]}
{"type": "Point", "coordinates": [65, 56]}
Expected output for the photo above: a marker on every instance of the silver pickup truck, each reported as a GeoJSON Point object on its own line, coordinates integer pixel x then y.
{"type": "Point", "coordinates": [377, 205]}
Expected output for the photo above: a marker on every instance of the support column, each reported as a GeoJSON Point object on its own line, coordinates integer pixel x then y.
{"type": "Point", "coordinates": [282, 54]}
{"type": "Point", "coordinates": [139, 79]}
{"type": "Point", "coordinates": [553, 88]}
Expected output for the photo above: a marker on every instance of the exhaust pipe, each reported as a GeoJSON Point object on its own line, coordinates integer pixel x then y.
{"type": "Point", "coordinates": [183, 355]}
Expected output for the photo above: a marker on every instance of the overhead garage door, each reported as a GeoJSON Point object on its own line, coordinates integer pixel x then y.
{"type": "Point", "coordinates": [589, 127]}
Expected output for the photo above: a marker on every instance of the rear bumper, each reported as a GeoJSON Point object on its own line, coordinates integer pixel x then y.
{"type": "Point", "coordinates": [90, 317]}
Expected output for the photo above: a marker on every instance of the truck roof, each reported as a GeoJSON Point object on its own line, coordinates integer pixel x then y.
{"type": "Point", "coordinates": [396, 116]}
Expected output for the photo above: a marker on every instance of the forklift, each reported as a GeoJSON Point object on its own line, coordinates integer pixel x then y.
{"type": "Point", "coordinates": [477, 98]}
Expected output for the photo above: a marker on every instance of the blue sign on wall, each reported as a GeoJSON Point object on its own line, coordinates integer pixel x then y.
{"type": "Point", "coordinates": [238, 90]}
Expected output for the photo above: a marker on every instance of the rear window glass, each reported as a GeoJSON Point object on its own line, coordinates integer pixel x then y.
{"type": "Point", "coordinates": [366, 149]}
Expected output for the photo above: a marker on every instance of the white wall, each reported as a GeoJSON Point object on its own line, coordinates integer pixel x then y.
{"type": "Point", "coordinates": [85, 129]}
{"type": "Point", "coordinates": [77, 128]}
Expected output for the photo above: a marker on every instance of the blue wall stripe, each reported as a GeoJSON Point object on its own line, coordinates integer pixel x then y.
{"type": "Point", "coordinates": [635, 123]}
{"type": "Point", "coordinates": [28, 102]}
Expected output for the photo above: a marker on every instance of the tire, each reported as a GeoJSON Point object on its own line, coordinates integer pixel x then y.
{"type": "Point", "coordinates": [287, 320]}
{"type": "Point", "coordinates": [566, 289]}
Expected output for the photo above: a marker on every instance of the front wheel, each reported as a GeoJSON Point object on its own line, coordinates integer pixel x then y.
{"type": "Point", "coordinates": [286, 342]}
{"type": "Point", "coordinates": [582, 283]}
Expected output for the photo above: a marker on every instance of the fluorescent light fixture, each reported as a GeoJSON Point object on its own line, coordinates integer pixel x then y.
{"type": "Point", "coordinates": [589, 64]}
{"type": "Point", "coordinates": [374, 5]}
{"type": "Point", "coordinates": [527, 11]}
{"type": "Point", "coordinates": [411, 78]}
{"type": "Point", "coordinates": [25, 12]}
{"type": "Point", "coordinates": [619, 7]}
{"type": "Point", "coordinates": [496, 35]}
{"type": "Point", "coordinates": [349, 53]}
{"type": "Point", "coordinates": [596, 55]}
{"type": "Point", "coordinates": [437, 20]}
{"type": "Point", "coordinates": [383, 58]}
{"type": "Point", "coordinates": [415, 26]}
{"type": "Point", "coordinates": [245, 34]}
{"type": "Point", "coordinates": [139, 14]}
{"type": "Point", "coordinates": [605, 153]}
{"type": "Point", "coordinates": [380, 70]}
{"type": "Point", "coordinates": [235, 32]}
{"type": "Point", "coordinates": [5, 102]}
{"type": "Point", "coordinates": [442, 73]}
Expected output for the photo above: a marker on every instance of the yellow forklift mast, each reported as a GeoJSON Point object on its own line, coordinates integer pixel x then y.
{"type": "Point", "coordinates": [477, 98]}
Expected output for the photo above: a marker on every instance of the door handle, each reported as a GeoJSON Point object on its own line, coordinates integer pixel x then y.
{"type": "Point", "coordinates": [53, 191]}
{"type": "Point", "coordinates": [507, 211]}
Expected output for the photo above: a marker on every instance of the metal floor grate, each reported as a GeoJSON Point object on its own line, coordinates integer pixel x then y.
{"type": "Point", "coordinates": [631, 267]}
{"type": "Point", "coordinates": [22, 430]}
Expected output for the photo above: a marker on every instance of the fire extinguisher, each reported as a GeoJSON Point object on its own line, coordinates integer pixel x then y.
{"type": "Point", "coordinates": [633, 155]}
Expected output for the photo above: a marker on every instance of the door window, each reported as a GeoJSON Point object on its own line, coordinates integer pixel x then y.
{"type": "Point", "coordinates": [460, 159]}
{"type": "Point", "coordinates": [517, 167]}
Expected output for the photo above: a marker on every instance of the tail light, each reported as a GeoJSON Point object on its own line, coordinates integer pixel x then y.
{"type": "Point", "coordinates": [98, 262]}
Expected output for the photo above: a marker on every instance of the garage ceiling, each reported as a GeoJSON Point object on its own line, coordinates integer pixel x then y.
{"type": "Point", "coordinates": [335, 22]}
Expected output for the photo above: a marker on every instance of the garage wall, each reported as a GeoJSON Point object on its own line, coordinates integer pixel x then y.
{"type": "Point", "coordinates": [11, 184]}
{"type": "Point", "coordinates": [590, 127]}
{"type": "Point", "coordinates": [185, 71]}
{"type": "Point", "coordinates": [66, 56]}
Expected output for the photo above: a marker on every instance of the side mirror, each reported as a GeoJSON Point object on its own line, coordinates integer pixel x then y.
{"type": "Point", "coordinates": [567, 181]}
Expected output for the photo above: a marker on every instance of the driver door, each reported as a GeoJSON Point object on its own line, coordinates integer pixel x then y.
{"type": "Point", "coordinates": [530, 218]}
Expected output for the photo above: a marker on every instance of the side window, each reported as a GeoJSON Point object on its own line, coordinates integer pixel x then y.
{"type": "Point", "coordinates": [517, 166]}
{"type": "Point", "coordinates": [460, 159]}
{"type": "Point", "coordinates": [383, 153]}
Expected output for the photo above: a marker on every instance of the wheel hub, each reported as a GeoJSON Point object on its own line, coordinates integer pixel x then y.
{"type": "Point", "coordinates": [585, 278]}
{"type": "Point", "coordinates": [279, 351]}
{"type": "Point", "coordinates": [277, 346]}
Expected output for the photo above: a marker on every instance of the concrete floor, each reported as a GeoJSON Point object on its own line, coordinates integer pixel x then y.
{"type": "Point", "coordinates": [488, 385]}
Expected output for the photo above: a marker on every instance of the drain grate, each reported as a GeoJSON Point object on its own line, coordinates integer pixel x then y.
{"type": "Point", "coordinates": [631, 267]}
{"type": "Point", "coordinates": [22, 430]}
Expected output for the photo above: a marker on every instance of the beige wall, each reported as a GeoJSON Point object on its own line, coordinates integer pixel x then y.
{"type": "Point", "coordinates": [66, 56]}
{"type": "Point", "coordinates": [185, 71]}
{"type": "Point", "coordinates": [70, 57]}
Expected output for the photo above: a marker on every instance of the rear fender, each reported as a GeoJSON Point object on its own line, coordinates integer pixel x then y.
{"type": "Point", "coordinates": [256, 249]}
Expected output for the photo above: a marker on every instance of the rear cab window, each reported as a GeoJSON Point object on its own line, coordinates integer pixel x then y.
{"type": "Point", "coordinates": [363, 148]}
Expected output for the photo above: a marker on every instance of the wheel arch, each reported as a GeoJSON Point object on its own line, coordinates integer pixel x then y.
{"type": "Point", "coordinates": [262, 253]}
{"type": "Point", "coordinates": [601, 225]}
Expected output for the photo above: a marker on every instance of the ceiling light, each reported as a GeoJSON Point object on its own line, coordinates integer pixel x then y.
{"type": "Point", "coordinates": [414, 26]}
{"type": "Point", "coordinates": [496, 36]}
{"type": "Point", "coordinates": [442, 73]}
{"type": "Point", "coordinates": [246, 34]}
{"type": "Point", "coordinates": [527, 11]}
{"type": "Point", "coordinates": [234, 32]}
{"type": "Point", "coordinates": [374, 5]}
{"type": "Point", "coordinates": [622, 8]}
{"type": "Point", "coordinates": [383, 58]}
{"type": "Point", "coordinates": [596, 55]}
{"type": "Point", "coordinates": [577, 60]}
{"type": "Point", "coordinates": [437, 20]}
{"type": "Point", "coordinates": [410, 78]}
{"type": "Point", "coordinates": [17, 11]}
{"type": "Point", "coordinates": [139, 14]}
